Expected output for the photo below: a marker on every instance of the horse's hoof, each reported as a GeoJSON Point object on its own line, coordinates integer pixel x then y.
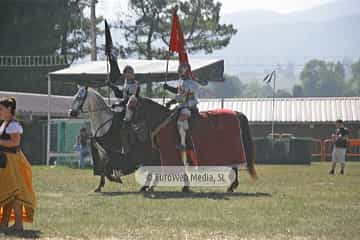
{"type": "Point", "coordinates": [144, 189]}
{"type": "Point", "coordinates": [233, 186]}
{"type": "Point", "coordinates": [230, 190]}
{"type": "Point", "coordinates": [186, 189]}
{"type": "Point", "coordinates": [151, 189]}
{"type": "Point", "coordinates": [97, 190]}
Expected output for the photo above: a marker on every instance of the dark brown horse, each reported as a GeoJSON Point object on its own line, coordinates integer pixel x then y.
{"type": "Point", "coordinates": [154, 114]}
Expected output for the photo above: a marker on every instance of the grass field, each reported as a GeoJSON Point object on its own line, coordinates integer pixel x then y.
{"type": "Point", "coordinates": [287, 202]}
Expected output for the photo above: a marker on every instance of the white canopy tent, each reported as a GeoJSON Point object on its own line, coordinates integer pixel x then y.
{"type": "Point", "coordinates": [95, 73]}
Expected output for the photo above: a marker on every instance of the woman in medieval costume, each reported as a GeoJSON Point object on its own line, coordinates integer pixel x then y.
{"type": "Point", "coordinates": [186, 99]}
{"type": "Point", "coordinates": [17, 198]}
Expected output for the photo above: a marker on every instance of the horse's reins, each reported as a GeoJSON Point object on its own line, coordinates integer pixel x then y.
{"type": "Point", "coordinates": [94, 111]}
{"type": "Point", "coordinates": [102, 125]}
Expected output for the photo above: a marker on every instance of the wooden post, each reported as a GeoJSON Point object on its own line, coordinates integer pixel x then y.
{"type": "Point", "coordinates": [93, 30]}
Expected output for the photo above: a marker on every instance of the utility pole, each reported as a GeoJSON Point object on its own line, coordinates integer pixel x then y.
{"type": "Point", "coordinates": [93, 30]}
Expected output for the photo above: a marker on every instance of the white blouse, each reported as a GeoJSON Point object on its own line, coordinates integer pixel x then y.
{"type": "Point", "coordinates": [12, 128]}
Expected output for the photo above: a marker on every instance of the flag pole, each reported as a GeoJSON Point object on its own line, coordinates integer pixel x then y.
{"type": "Point", "coordinates": [166, 73]}
{"type": "Point", "coordinates": [273, 105]}
{"type": "Point", "coordinates": [168, 52]}
{"type": "Point", "coordinates": [108, 77]}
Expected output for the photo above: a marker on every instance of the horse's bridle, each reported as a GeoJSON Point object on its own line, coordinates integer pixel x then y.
{"type": "Point", "coordinates": [83, 99]}
{"type": "Point", "coordinates": [80, 109]}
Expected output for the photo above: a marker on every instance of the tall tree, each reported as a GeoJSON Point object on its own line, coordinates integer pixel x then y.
{"type": "Point", "coordinates": [297, 91]}
{"type": "Point", "coordinates": [232, 87]}
{"type": "Point", "coordinates": [254, 89]}
{"type": "Point", "coordinates": [339, 70]}
{"type": "Point", "coordinates": [147, 34]}
{"type": "Point", "coordinates": [93, 29]}
{"type": "Point", "coordinates": [354, 84]}
{"type": "Point", "coordinates": [320, 78]}
{"type": "Point", "coordinates": [283, 93]}
{"type": "Point", "coordinates": [38, 27]}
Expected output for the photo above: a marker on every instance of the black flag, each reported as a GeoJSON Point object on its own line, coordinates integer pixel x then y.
{"type": "Point", "coordinates": [269, 77]}
{"type": "Point", "coordinates": [111, 56]}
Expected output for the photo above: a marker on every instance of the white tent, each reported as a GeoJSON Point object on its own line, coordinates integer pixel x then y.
{"type": "Point", "coordinates": [95, 73]}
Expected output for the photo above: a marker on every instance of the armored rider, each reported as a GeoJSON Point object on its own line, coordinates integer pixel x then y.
{"type": "Point", "coordinates": [129, 93]}
{"type": "Point", "coordinates": [186, 99]}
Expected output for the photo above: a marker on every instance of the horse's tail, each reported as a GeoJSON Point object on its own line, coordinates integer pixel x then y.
{"type": "Point", "coordinates": [248, 144]}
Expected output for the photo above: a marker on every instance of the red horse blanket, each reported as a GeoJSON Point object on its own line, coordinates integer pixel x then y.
{"type": "Point", "coordinates": [215, 137]}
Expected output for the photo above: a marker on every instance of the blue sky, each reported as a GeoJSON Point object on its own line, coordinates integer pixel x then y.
{"type": "Point", "coordinates": [111, 8]}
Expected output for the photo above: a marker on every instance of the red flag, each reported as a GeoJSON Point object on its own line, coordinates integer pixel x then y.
{"type": "Point", "coordinates": [177, 41]}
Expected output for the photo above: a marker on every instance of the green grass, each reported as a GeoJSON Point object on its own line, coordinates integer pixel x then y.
{"type": "Point", "coordinates": [287, 202]}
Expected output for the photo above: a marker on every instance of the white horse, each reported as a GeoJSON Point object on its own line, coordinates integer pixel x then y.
{"type": "Point", "coordinates": [87, 100]}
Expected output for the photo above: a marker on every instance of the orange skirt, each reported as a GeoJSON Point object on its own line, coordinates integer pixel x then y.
{"type": "Point", "coordinates": [16, 185]}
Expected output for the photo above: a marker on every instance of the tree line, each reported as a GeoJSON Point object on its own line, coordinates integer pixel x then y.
{"type": "Point", "coordinates": [38, 27]}
{"type": "Point", "coordinates": [318, 78]}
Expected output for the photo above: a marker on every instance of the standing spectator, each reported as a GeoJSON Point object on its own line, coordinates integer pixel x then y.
{"type": "Point", "coordinates": [83, 145]}
{"type": "Point", "coordinates": [340, 139]}
{"type": "Point", "coordinates": [17, 198]}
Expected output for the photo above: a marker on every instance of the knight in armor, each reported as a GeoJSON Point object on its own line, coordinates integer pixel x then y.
{"type": "Point", "coordinates": [186, 99]}
{"type": "Point", "coordinates": [129, 93]}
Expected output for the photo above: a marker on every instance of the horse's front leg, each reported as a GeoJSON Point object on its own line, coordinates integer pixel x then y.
{"type": "Point", "coordinates": [146, 187]}
{"type": "Point", "coordinates": [235, 183]}
{"type": "Point", "coordinates": [101, 183]}
{"type": "Point", "coordinates": [114, 176]}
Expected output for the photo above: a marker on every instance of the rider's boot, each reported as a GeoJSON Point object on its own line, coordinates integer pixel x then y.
{"type": "Point", "coordinates": [128, 114]}
{"type": "Point", "coordinates": [125, 141]}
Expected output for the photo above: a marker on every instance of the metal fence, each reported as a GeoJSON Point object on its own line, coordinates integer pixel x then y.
{"type": "Point", "coordinates": [32, 61]}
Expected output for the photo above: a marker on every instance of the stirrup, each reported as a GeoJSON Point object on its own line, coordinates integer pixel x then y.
{"type": "Point", "coordinates": [180, 147]}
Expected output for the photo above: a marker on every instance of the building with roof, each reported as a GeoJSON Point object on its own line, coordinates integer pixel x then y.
{"type": "Point", "coordinates": [301, 117]}
{"type": "Point", "coordinates": [35, 106]}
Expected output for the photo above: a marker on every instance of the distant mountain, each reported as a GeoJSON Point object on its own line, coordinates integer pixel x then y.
{"type": "Point", "coordinates": [325, 12]}
{"type": "Point", "coordinates": [259, 48]}
{"type": "Point", "coordinates": [248, 19]}
{"type": "Point", "coordinates": [265, 39]}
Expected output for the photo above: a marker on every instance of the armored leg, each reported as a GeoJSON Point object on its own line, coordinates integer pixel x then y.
{"type": "Point", "coordinates": [130, 106]}
{"type": "Point", "coordinates": [183, 126]}
{"type": "Point", "coordinates": [128, 114]}
{"type": "Point", "coordinates": [125, 138]}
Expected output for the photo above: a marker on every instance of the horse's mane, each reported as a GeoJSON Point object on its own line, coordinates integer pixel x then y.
{"type": "Point", "coordinates": [154, 105]}
{"type": "Point", "coordinates": [96, 93]}
{"type": "Point", "coordinates": [102, 99]}
{"type": "Point", "coordinates": [155, 112]}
